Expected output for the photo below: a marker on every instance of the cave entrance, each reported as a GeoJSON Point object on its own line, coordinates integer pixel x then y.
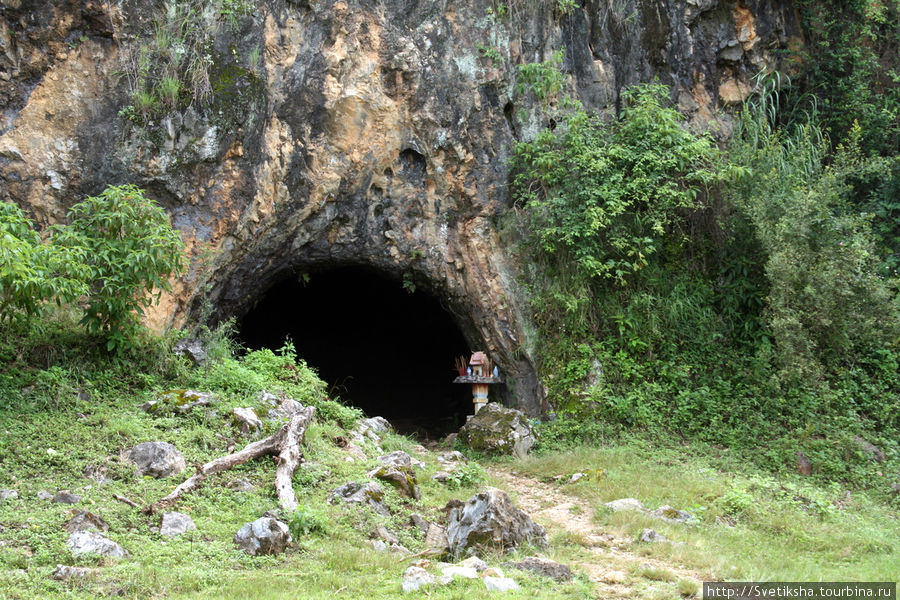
{"type": "Point", "coordinates": [379, 347]}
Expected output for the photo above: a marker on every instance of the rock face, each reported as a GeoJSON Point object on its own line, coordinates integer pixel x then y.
{"type": "Point", "coordinates": [157, 459]}
{"type": "Point", "coordinates": [263, 536]}
{"type": "Point", "coordinates": [489, 520]}
{"type": "Point", "coordinates": [402, 477]}
{"type": "Point", "coordinates": [498, 429]}
{"type": "Point", "coordinates": [364, 134]}
{"type": "Point", "coordinates": [369, 493]}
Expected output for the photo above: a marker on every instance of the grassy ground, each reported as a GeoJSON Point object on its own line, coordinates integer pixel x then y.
{"type": "Point", "coordinates": [63, 410]}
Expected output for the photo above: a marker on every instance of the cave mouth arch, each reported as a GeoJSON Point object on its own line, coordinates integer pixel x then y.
{"type": "Point", "coordinates": [379, 346]}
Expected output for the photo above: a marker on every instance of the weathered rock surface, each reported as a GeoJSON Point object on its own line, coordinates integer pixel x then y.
{"type": "Point", "coordinates": [157, 459]}
{"type": "Point", "coordinates": [672, 515]}
{"type": "Point", "coordinates": [246, 419]}
{"type": "Point", "coordinates": [172, 524]}
{"type": "Point", "coordinates": [84, 520]}
{"type": "Point", "coordinates": [400, 459]}
{"type": "Point", "coordinates": [415, 578]}
{"type": "Point", "coordinates": [651, 536]}
{"type": "Point", "coordinates": [489, 520]}
{"type": "Point", "coordinates": [90, 542]}
{"type": "Point", "coordinates": [545, 567]}
{"type": "Point", "coordinates": [263, 536]}
{"type": "Point", "coordinates": [498, 429]}
{"type": "Point", "coordinates": [286, 409]}
{"type": "Point", "coordinates": [66, 497]}
{"type": "Point", "coordinates": [64, 572]}
{"type": "Point", "coordinates": [365, 132]}
{"type": "Point", "coordinates": [626, 504]}
{"type": "Point", "coordinates": [191, 348]}
{"type": "Point", "coordinates": [403, 478]}
{"type": "Point", "coordinates": [369, 493]}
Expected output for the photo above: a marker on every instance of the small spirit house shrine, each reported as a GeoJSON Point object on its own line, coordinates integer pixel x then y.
{"type": "Point", "coordinates": [480, 373]}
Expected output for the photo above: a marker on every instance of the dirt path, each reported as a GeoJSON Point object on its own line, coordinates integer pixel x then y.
{"type": "Point", "coordinates": [611, 563]}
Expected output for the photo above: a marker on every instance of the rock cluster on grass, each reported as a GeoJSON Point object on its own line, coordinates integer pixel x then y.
{"type": "Point", "coordinates": [8, 494]}
{"type": "Point", "coordinates": [489, 520]}
{"type": "Point", "coordinates": [498, 429]}
{"type": "Point", "coordinates": [417, 575]}
{"type": "Point", "coordinates": [263, 536]}
{"type": "Point", "coordinates": [401, 459]}
{"type": "Point", "coordinates": [157, 459]}
{"type": "Point", "coordinates": [64, 572]}
{"type": "Point", "coordinates": [285, 409]}
{"type": "Point", "coordinates": [90, 542]}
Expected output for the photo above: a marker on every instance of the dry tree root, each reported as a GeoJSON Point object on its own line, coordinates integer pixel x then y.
{"type": "Point", "coordinates": [285, 443]}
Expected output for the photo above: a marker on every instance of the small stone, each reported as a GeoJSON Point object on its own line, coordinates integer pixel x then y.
{"type": "Point", "coordinates": [400, 458]}
{"type": "Point", "coordinates": [85, 521]}
{"type": "Point", "coordinates": [379, 545]}
{"type": "Point", "coordinates": [476, 563]}
{"type": "Point", "coordinates": [191, 348]}
{"type": "Point", "coordinates": [240, 485]}
{"type": "Point", "coordinates": [672, 515]}
{"type": "Point", "coordinates": [63, 572]}
{"type": "Point", "coordinates": [157, 459]}
{"type": "Point", "coordinates": [545, 567]}
{"type": "Point", "coordinates": [416, 578]}
{"type": "Point", "coordinates": [436, 538]}
{"type": "Point", "coordinates": [441, 476]}
{"type": "Point", "coordinates": [8, 494]}
{"type": "Point", "coordinates": [369, 493]}
{"type": "Point", "coordinates": [500, 584]}
{"type": "Point", "coordinates": [65, 497]}
{"type": "Point", "coordinates": [89, 542]}
{"type": "Point", "coordinates": [286, 409]}
{"type": "Point", "coordinates": [399, 549]}
{"type": "Point", "coordinates": [649, 536]}
{"type": "Point", "coordinates": [173, 524]}
{"type": "Point", "coordinates": [625, 504]}
{"type": "Point", "coordinates": [419, 522]}
{"type": "Point", "coordinates": [246, 420]}
{"type": "Point", "coordinates": [51, 452]}
{"type": "Point", "coordinates": [574, 478]}
{"type": "Point", "coordinates": [382, 533]}
{"type": "Point", "coordinates": [42, 495]}
{"type": "Point", "coordinates": [458, 571]}
{"type": "Point", "coordinates": [263, 536]}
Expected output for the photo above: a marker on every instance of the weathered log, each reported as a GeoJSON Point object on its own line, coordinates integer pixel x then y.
{"type": "Point", "coordinates": [285, 443]}
{"type": "Point", "coordinates": [289, 458]}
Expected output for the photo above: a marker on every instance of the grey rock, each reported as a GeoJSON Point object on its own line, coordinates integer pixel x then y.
{"type": "Point", "coordinates": [489, 520]}
{"type": "Point", "coordinates": [475, 563]}
{"type": "Point", "coordinates": [379, 545]}
{"type": "Point", "coordinates": [8, 494]}
{"type": "Point", "coordinates": [246, 419]}
{"type": "Point", "coordinates": [451, 458]}
{"type": "Point", "coordinates": [65, 497]}
{"type": "Point", "coordinates": [268, 398]}
{"type": "Point", "coordinates": [96, 473]}
{"type": "Point", "coordinates": [286, 409]}
{"type": "Point", "coordinates": [157, 459]}
{"type": "Point", "coordinates": [85, 521]}
{"type": "Point", "coordinates": [499, 429]}
{"type": "Point", "coordinates": [672, 515]}
{"type": "Point", "coordinates": [415, 578]}
{"type": "Point", "coordinates": [626, 504]}
{"type": "Point", "coordinates": [173, 524]}
{"type": "Point", "coordinates": [419, 522]}
{"type": "Point", "coordinates": [240, 485]}
{"type": "Point", "coordinates": [649, 536]}
{"type": "Point", "coordinates": [63, 572]}
{"type": "Point", "coordinates": [575, 477]}
{"type": "Point", "coordinates": [441, 476]}
{"type": "Point", "coordinates": [399, 549]}
{"type": "Point", "coordinates": [436, 538]}
{"type": "Point", "coordinates": [500, 584]}
{"type": "Point", "coordinates": [383, 533]}
{"type": "Point", "coordinates": [460, 571]}
{"type": "Point", "coordinates": [191, 348]}
{"type": "Point", "coordinates": [90, 542]}
{"type": "Point", "coordinates": [372, 429]}
{"type": "Point", "coordinates": [545, 567]}
{"type": "Point", "coordinates": [403, 478]}
{"type": "Point", "coordinates": [874, 452]}
{"type": "Point", "coordinates": [44, 495]}
{"type": "Point", "coordinates": [263, 536]}
{"type": "Point", "coordinates": [400, 459]}
{"type": "Point", "coordinates": [369, 493]}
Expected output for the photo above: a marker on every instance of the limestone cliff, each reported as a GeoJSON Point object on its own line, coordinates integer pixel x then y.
{"type": "Point", "coordinates": [340, 132]}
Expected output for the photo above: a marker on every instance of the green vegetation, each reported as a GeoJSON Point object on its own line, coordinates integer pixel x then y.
{"type": "Point", "coordinates": [117, 250]}
{"type": "Point", "coordinates": [742, 296]}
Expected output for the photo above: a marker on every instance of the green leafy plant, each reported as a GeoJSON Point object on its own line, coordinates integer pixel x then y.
{"type": "Point", "coordinates": [130, 250]}
{"type": "Point", "coordinates": [33, 272]}
{"type": "Point", "coordinates": [306, 520]}
{"type": "Point", "coordinates": [467, 475]}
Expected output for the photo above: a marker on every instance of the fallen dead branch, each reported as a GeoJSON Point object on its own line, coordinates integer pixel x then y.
{"type": "Point", "coordinates": [285, 444]}
{"type": "Point", "coordinates": [130, 503]}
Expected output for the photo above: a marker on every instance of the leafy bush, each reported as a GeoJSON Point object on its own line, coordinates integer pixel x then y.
{"type": "Point", "coordinates": [306, 520]}
{"type": "Point", "coordinates": [130, 250]}
{"type": "Point", "coordinates": [467, 475]}
{"type": "Point", "coordinates": [31, 272]}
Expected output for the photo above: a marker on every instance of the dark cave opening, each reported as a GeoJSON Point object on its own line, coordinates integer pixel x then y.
{"type": "Point", "coordinates": [380, 348]}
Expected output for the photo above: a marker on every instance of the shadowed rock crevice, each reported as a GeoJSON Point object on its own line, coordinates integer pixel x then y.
{"type": "Point", "coordinates": [382, 348]}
